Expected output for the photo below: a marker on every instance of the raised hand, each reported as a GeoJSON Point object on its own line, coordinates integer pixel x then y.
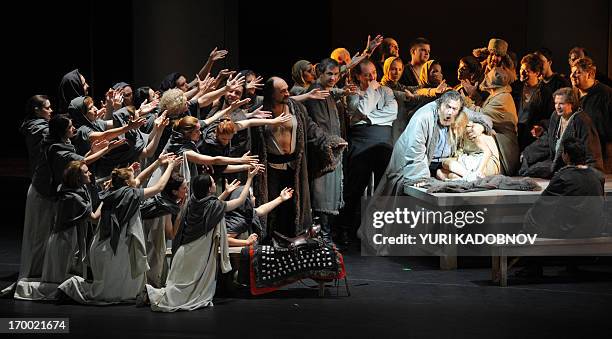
{"type": "Point", "coordinates": [259, 168]}
{"type": "Point", "coordinates": [231, 187]}
{"type": "Point", "coordinates": [217, 54]}
{"type": "Point", "coordinates": [247, 158]}
{"type": "Point", "coordinates": [442, 87]}
{"type": "Point", "coordinates": [286, 193]}
{"type": "Point", "coordinates": [163, 158]}
{"type": "Point", "coordinates": [318, 94]}
{"type": "Point", "coordinates": [135, 166]}
{"type": "Point", "coordinates": [206, 85]}
{"type": "Point", "coordinates": [239, 103]}
{"type": "Point", "coordinates": [162, 121]}
{"type": "Point", "coordinates": [284, 117]}
{"type": "Point", "coordinates": [259, 113]}
{"type": "Point", "coordinates": [99, 145]}
{"type": "Point", "coordinates": [146, 107]}
{"type": "Point", "coordinates": [117, 100]}
{"type": "Point", "coordinates": [372, 44]}
{"type": "Point", "coordinates": [234, 84]}
{"type": "Point", "coordinates": [135, 122]}
{"type": "Point", "coordinates": [255, 83]}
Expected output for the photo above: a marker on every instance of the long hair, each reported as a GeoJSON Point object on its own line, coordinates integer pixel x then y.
{"type": "Point", "coordinates": [73, 177]}
{"type": "Point", "coordinates": [58, 126]}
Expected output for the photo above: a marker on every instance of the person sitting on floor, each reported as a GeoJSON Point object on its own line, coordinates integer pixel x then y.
{"type": "Point", "coordinates": [191, 280]}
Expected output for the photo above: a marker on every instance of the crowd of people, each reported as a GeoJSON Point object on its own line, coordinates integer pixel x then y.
{"type": "Point", "coordinates": [226, 160]}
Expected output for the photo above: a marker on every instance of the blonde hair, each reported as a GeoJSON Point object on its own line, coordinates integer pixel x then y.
{"type": "Point", "coordinates": [173, 100]}
{"type": "Point", "coordinates": [457, 131]}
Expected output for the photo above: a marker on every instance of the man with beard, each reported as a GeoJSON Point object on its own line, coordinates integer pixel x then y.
{"type": "Point", "coordinates": [283, 149]}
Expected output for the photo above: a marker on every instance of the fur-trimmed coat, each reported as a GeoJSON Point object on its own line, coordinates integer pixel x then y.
{"type": "Point", "coordinates": [322, 150]}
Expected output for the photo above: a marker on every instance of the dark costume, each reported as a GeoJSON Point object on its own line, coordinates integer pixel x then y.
{"type": "Point", "coordinates": [597, 103]}
{"type": "Point", "coordinates": [572, 206]}
{"type": "Point", "coordinates": [34, 131]}
{"type": "Point", "coordinates": [292, 170]}
{"type": "Point", "coordinates": [70, 88]}
{"type": "Point", "coordinates": [543, 158]}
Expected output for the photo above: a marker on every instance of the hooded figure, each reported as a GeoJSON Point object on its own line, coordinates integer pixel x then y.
{"type": "Point", "coordinates": [78, 113]}
{"type": "Point", "coordinates": [118, 255]}
{"type": "Point", "coordinates": [300, 86]}
{"type": "Point", "coordinates": [191, 282]}
{"type": "Point", "coordinates": [71, 86]}
{"type": "Point", "coordinates": [169, 81]}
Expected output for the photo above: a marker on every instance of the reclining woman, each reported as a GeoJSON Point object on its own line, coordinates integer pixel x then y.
{"type": "Point", "coordinates": [473, 158]}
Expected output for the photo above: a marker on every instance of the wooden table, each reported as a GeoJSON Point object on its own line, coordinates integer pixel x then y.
{"type": "Point", "coordinates": [510, 205]}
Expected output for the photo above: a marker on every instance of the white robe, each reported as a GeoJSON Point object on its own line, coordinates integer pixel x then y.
{"type": "Point", "coordinates": [39, 216]}
{"type": "Point", "coordinates": [118, 278]}
{"type": "Point", "coordinates": [192, 278]}
{"type": "Point", "coordinates": [155, 241]}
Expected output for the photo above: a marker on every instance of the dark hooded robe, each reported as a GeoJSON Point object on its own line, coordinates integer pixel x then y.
{"type": "Point", "coordinates": [309, 138]}
{"type": "Point", "coordinates": [78, 113]}
{"type": "Point", "coordinates": [34, 130]}
{"type": "Point", "coordinates": [70, 88]}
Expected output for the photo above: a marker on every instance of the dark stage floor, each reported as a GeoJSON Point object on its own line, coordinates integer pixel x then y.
{"type": "Point", "coordinates": [407, 297]}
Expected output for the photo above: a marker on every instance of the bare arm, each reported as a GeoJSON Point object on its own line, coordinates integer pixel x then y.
{"type": "Point", "coordinates": [262, 122]}
{"type": "Point", "coordinates": [266, 208]}
{"type": "Point", "coordinates": [96, 215]}
{"type": "Point", "coordinates": [203, 159]}
{"type": "Point", "coordinates": [235, 203]}
{"type": "Point", "coordinates": [159, 186]}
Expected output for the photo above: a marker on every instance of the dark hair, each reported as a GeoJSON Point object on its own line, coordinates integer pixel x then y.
{"type": "Point", "coordinates": [72, 174]}
{"type": "Point", "coordinates": [545, 52]}
{"type": "Point", "coordinates": [268, 93]}
{"type": "Point", "coordinates": [140, 95]}
{"type": "Point", "coordinates": [35, 102]}
{"type": "Point", "coordinates": [575, 151]}
{"type": "Point", "coordinates": [58, 126]}
{"type": "Point", "coordinates": [570, 96]}
{"type": "Point", "coordinates": [474, 67]}
{"type": "Point", "coordinates": [356, 71]}
{"type": "Point", "coordinates": [174, 183]}
{"type": "Point", "coordinates": [577, 50]}
{"type": "Point", "coordinates": [200, 185]}
{"type": "Point", "coordinates": [325, 64]}
{"type": "Point", "coordinates": [533, 62]}
{"type": "Point", "coordinates": [245, 73]}
{"type": "Point", "coordinates": [586, 64]}
{"type": "Point", "coordinates": [418, 41]}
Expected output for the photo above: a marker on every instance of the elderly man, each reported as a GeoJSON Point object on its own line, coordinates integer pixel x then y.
{"type": "Point", "coordinates": [596, 100]}
{"type": "Point", "coordinates": [372, 109]}
{"type": "Point", "coordinates": [283, 150]}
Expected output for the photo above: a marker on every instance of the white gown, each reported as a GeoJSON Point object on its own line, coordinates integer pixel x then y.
{"type": "Point", "coordinates": [192, 279]}
{"type": "Point", "coordinates": [118, 278]}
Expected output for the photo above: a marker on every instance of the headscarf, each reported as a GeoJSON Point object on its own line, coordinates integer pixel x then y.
{"type": "Point", "coordinates": [424, 76]}
{"type": "Point", "coordinates": [201, 217]}
{"type": "Point", "coordinates": [297, 69]}
{"type": "Point", "coordinates": [78, 113]}
{"type": "Point", "coordinates": [119, 207]}
{"type": "Point", "coordinates": [386, 81]}
{"type": "Point", "coordinates": [70, 88]}
{"type": "Point", "coordinates": [74, 205]}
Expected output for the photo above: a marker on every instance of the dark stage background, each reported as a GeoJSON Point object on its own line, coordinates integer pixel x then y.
{"type": "Point", "coordinates": [140, 41]}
